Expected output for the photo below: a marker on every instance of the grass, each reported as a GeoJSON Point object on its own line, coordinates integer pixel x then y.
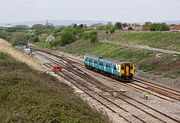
{"type": "Point", "coordinates": [30, 96]}
{"type": "Point", "coordinates": [43, 44]}
{"type": "Point", "coordinates": [166, 65]}
{"type": "Point", "coordinates": [110, 50]}
{"type": "Point", "coordinates": [164, 40]}
{"type": "Point", "coordinates": [3, 55]}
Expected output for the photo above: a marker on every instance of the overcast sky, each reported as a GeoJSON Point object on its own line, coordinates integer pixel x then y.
{"type": "Point", "coordinates": [109, 10]}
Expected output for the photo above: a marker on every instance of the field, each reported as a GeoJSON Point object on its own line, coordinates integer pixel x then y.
{"type": "Point", "coordinates": [30, 96]}
{"type": "Point", "coordinates": [163, 40]}
{"type": "Point", "coordinates": [148, 61]}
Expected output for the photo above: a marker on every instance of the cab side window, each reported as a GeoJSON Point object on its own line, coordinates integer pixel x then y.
{"type": "Point", "coordinates": [131, 67]}
{"type": "Point", "coordinates": [107, 65]}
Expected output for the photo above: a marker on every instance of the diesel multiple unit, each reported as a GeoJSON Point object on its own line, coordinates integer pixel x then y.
{"type": "Point", "coordinates": [120, 70]}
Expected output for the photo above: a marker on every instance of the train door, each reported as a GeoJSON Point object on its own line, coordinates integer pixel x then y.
{"type": "Point", "coordinates": [127, 69]}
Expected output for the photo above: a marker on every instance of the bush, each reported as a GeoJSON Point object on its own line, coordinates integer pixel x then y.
{"type": "Point", "coordinates": [57, 41]}
{"type": "Point", "coordinates": [3, 55]}
{"type": "Point", "coordinates": [67, 37]}
{"type": "Point", "coordinates": [3, 34]}
{"type": "Point", "coordinates": [34, 39]}
{"type": "Point", "coordinates": [159, 27]}
{"type": "Point", "coordinates": [93, 37]}
{"type": "Point", "coordinates": [113, 29]}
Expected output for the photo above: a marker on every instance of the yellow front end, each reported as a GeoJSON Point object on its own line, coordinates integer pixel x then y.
{"type": "Point", "coordinates": [127, 71]}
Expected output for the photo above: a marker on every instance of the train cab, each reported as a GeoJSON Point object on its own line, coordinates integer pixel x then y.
{"type": "Point", "coordinates": [127, 71]}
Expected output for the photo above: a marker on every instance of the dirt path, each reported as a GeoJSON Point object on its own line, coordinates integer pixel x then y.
{"type": "Point", "coordinates": [145, 47]}
{"type": "Point", "coordinates": [8, 48]}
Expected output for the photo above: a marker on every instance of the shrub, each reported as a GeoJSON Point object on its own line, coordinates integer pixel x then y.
{"type": "Point", "coordinates": [3, 55]}
{"type": "Point", "coordinates": [34, 39]}
{"type": "Point", "coordinates": [93, 37]}
{"type": "Point", "coordinates": [159, 27]}
{"type": "Point", "coordinates": [107, 31]}
{"type": "Point", "coordinates": [3, 34]}
{"type": "Point", "coordinates": [57, 41]}
{"type": "Point", "coordinates": [67, 37]}
{"type": "Point", "coordinates": [113, 29]}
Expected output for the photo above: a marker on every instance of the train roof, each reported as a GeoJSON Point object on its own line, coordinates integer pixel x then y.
{"type": "Point", "coordinates": [107, 59]}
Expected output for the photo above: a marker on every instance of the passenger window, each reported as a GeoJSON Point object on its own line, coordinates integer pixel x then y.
{"type": "Point", "coordinates": [114, 67]}
{"type": "Point", "coordinates": [122, 67]}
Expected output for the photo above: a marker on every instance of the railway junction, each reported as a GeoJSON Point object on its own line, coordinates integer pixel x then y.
{"type": "Point", "coordinates": [139, 101]}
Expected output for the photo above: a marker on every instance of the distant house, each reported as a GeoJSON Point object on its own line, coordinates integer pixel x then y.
{"type": "Point", "coordinates": [175, 28]}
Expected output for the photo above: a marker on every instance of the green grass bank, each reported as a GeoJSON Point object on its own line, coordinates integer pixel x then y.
{"type": "Point", "coordinates": [163, 40]}
{"type": "Point", "coordinates": [148, 61]}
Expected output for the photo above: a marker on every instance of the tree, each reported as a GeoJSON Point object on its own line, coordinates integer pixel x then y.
{"type": "Point", "coordinates": [81, 26]}
{"type": "Point", "coordinates": [119, 25]}
{"type": "Point", "coordinates": [20, 38]}
{"type": "Point", "coordinates": [38, 26]}
{"type": "Point", "coordinates": [18, 28]}
{"type": "Point", "coordinates": [67, 36]}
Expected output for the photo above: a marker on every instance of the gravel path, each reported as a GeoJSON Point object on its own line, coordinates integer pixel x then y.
{"type": "Point", "coordinates": [145, 47]}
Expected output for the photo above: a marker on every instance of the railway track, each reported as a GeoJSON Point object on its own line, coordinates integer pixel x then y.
{"type": "Point", "coordinates": [166, 92]}
{"type": "Point", "coordinates": [109, 104]}
{"type": "Point", "coordinates": [159, 89]}
{"type": "Point", "coordinates": [133, 102]}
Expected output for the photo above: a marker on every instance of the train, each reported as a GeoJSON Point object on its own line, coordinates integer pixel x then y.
{"type": "Point", "coordinates": [123, 71]}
